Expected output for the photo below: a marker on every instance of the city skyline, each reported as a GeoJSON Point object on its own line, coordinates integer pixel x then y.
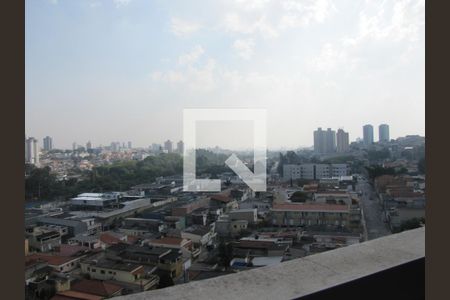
{"type": "Point", "coordinates": [340, 143]}
{"type": "Point", "coordinates": [93, 71]}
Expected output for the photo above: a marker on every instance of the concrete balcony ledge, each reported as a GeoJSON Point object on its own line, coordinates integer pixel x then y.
{"type": "Point", "coordinates": [308, 275]}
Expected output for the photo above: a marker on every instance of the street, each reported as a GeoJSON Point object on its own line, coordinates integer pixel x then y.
{"type": "Point", "coordinates": [372, 212]}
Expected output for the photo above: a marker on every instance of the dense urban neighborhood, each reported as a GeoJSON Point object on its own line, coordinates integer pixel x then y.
{"type": "Point", "coordinates": [108, 221]}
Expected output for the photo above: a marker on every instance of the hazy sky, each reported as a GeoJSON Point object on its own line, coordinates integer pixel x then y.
{"type": "Point", "coordinates": [124, 70]}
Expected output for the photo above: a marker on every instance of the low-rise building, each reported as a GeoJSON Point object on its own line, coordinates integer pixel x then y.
{"type": "Point", "coordinates": [333, 197]}
{"type": "Point", "coordinates": [74, 227]}
{"type": "Point", "coordinates": [305, 214]}
{"type": "Point", "coordinates": [95, 201]}
{"type": "Point", "coordinates": [313, 171]}
{"type": "Point", "coordinates": [223, 201]}
{"type": "Point", "coordinates": [184, 245]}
{"type": "Point", "coordinates": [199, 235]}
{"type": "Point", "coordinates": [255, 247]}
{"type": "Point", "coordinates": [167, 260]}
{"type": "Point", "coordinates": [248, 214]}
{"type": "Point", "coordinates": [59, 263]}
{"type": "Point", "coordinates": [126, 272]}
{"type": "Point", "coordinates": [45, 238]}
{"type": "Point", "coordinates": [225, 227]}
{"type": "Point", "coordinates": [89, 241]}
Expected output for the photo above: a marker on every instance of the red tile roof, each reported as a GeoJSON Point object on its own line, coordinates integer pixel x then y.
{"type": "Point", "coordinates": [310, 207]}
{"type": "Point", "coordinates": [73, 295]}
{"type": "Point", "coordinates": [96, 287]}
{"type": "Point", "coordinates": [132, 239]}
{"type": "Point", "coordinates": [221, 197]}
{"type": "Point", "coordinates": [71, 250]}
{"type": "Point", "coordinates": [109, 239]}
{"type": "Point", "coordinates": [54, 260]}
{"type": "Point", "coordinates": [168, 240]}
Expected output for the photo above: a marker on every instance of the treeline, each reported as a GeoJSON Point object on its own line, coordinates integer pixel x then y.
{"type": "Point", "coordinates": [377, 170]}
{"type": "Point", "coordinates": [42, 184]}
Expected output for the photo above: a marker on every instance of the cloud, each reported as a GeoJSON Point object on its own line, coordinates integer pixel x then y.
{"type": "Point", "coordinates": [270, 18]}
{"type": "Point", "coordinates": [403, 24]}
{"type": "Point", "coordinates": [304, 13]}
{"type": "Point", "coordinates": [95, 4]}
{"type": "Point", "coordinates": [183, 28]}
{"type": "Point", "coordinates": [244, 48]}
{"type": "Point", "coordinates": [393, 31]}
{"type": "Point", "coordinates": [231, 85]}
{"type": "Point", "coordinates": [189, 77]}
{"type": "Point", "coordinates": [235, 23]}
{"type": "Point", "coordinates": [121, 3]}
{"type": "Point", "coordinates": [192, 56]}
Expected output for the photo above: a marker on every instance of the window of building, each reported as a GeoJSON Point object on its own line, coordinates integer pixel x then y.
{"type": "Point", "coordinates": [102, 271]}
{"type": "Point", "coordinates": [94, 270]}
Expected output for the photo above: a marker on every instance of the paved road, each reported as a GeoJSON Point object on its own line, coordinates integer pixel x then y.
{"type": "Point", "coordinates": [373, 215]}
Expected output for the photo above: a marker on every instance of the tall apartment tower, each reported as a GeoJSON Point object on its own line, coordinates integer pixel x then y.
{"type": "Point", "coordinates": [180, 147]}
{"type": "Point", "coordinates": [383, 133]}
{"type": "Point", "coordinates": [342, 141]}
{"type": "Point", "coordinates": [319, 140]}
{"type": "Point", "coordinates": [368, 134]}
{"type": "Point", "coordinates": [324, 141]}
{"type": "Point", "coordinates": [32, 151]}
{"type": "Point", "coordinates": [48, 143]}
{"type": "Point", "coordinates": [330, 141]}
{"type": "Point", "coordinates": [88, 145]}
{"type": "Point", "coordinates": [130, 145]}
{"type": "Point", "coordinates": [168, 145]}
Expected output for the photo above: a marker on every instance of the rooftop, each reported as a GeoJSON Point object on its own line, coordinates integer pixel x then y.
{"type": "Point", "coordinates": [169, 241]}
{"type": "Point", "coordinates": [312, 274]}
{"type": "Point", "coordinates": [96, 287]}
{"type": "Point", "coordinates": [114, 265]}
{"type": "Point", "coordinates": [310, 207]}
{"type": "Point", "coordinates": [54, 260]}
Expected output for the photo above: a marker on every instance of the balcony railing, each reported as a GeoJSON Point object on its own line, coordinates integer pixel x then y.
{"type": "Point", "coordinates": [389, 267]}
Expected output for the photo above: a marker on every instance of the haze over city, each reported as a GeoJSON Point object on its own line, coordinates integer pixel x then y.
{"type": "Point", "coordinates": [124, 70]}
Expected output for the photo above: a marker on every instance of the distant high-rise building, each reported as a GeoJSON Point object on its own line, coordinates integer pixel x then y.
{"type": "Point", "coordinates": [74, 146]}
{"type": "Point", "coordinates": [32, 151]}
{"type": "Point", "coordinates": [88, 145]}
{"type": "Point", "coordinates": [342, 141]}
{"type": "Point", "coordinates": [156, 147]}
{"type": "Point", "coordinates": [129, 145]}
{"type": "Point", "coordinates": [168, 145]}
{"type": "Point", "coordinates": [324, 141]}
{"type": "Point", "coordinates": [115, 146]}
{"type": "Point", "coordinates": [383, 133]}
{"type": "Point", "coordinates": [319, 140]}
{"type": "Point", "coordinates": [48, 143]}
{"type": "Point", "coordinates": [330, 141]}
{"type": "Point", "coordinates": [180, 147]}
{"type": "Point", "coordinates": [368, 134]}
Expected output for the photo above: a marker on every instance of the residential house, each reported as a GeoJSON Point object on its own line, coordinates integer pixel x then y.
{"type": "Point", "coordinates": [134, 274]}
